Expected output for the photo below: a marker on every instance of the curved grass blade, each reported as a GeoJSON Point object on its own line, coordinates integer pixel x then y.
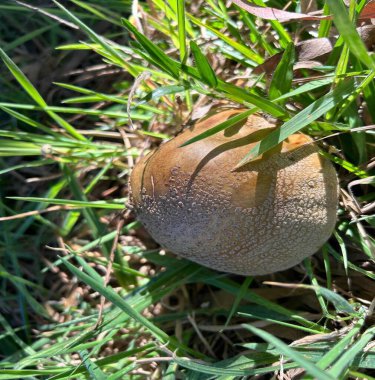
{"type": "Point", "coordinates": [301, 120]}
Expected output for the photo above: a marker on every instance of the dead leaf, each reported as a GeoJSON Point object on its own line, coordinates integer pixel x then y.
{"type": "Point", "coordinates": [368, 11]}
{"type": "Point", "coordinates": [309, 50]}
{"type": "Point", "coordinates": [276, 14]}
{"type": "Point", "coordinates": [269, 13]}
{"type": "Point", "coordinates": [367, 33]}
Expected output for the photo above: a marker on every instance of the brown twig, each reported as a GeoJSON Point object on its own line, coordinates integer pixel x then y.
{"type": "Point", "coordinates": [109, 270]}
{"type": "Point", "coordinates": [36, 212]}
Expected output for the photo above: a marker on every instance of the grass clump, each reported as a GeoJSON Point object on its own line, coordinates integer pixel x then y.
{"type": "Point", "coordinates": [85, 292]}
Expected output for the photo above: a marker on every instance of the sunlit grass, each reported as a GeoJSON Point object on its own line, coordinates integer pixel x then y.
{"type": "Point", "coordinates": [64, 169]}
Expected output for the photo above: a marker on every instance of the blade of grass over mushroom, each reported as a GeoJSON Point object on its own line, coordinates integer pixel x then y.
{"type": "Point", "coordinates": [244, 96]}
{"type": "Point", "coordinates": [283, 75]}
{"type": "Point", "coordinates": [349, 33]}
{"type": "Point", "coordinates": [301, 120]}
{"type": "Point", "coordinates": [220, 127]}
{"type": "Point", "coordinates": [73, 203]}
{"type": "Point", "coordinates": [205, 70]}
{"type": "Point", "coordinates": [34, 94]}
{"type": "Point", "coordinates": [284, 349]}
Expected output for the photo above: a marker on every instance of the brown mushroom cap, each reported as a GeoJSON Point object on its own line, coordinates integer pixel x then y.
{"type": "Point", "coordinates": [265, 217]}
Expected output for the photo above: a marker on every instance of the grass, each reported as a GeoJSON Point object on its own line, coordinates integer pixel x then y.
{"type": "Point", "coordinates": [76, 302]}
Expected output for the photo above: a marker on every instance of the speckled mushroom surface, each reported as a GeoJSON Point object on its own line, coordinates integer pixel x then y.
{"type": "Point", "coordinates": [264, 217]}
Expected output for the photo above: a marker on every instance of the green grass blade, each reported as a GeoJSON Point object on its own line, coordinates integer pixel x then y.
{"type": "Point", "coordinates": [220, 127]}
{"type": "Point", "coordinates": [348, 32]}
{"type": "Point", "coordinates": [118, 301]}
{"type": "Point", "coordinates": [283, 75]}
{"type": "Point", "coordinates": [207, 73]}
{"type": "Point", "coordinates": [114, 55]}
{"type": "Point", "coordinates": [181, 20]}
{"type": "Point", "coordinates": [244, 96]}
{"type": "Point", "coordinates": [246, 52]}
{"type": "Point", "coordinates": [244, 287]}
{"type": "Point", "coordinates": [339, 348]}
{"type": "Point", "coordinates": [345, 361]}
{"type": "Point", "coordinates": [160, 58]}
{"type": "Point", "coordinates": [301, 120]}
{"type": "Point", "coordinates": [284, 349]}
{"type": "Point", "coordinates": [34, 94]}
{"type": "Point", "coordinates": [92, 368]}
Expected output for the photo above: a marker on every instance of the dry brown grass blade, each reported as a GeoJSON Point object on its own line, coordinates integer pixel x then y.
{"type": "Point", "coordinates": [36, 212]}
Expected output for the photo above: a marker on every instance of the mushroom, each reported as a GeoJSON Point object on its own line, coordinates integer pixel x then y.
{"type": "Point", "coordinates": [263, 217]}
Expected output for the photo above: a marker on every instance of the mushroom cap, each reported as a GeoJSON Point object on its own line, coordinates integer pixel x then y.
{"type": "Point", "coordinates": [264, 217]}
